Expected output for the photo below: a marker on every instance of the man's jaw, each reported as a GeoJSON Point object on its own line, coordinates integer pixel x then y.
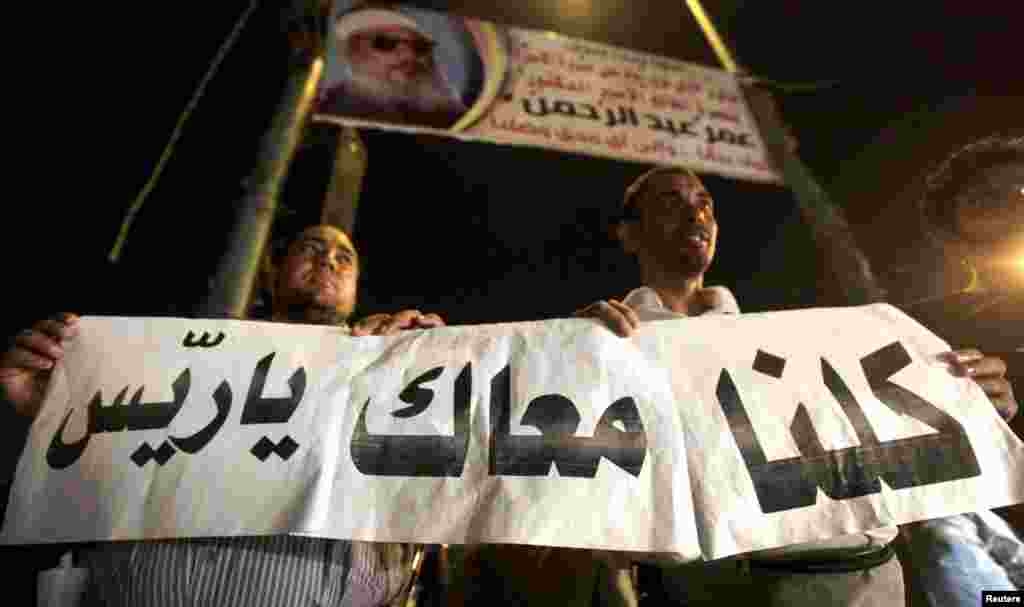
{"type": "Point", "coordinates": [312, 314]}
{"type": "Point", "coordinates": [311, 310]}
{"type": "Point", "coordinates": [694, 257]}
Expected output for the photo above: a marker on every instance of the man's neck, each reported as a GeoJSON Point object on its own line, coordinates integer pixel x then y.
{"type": "Point", "coordinates": [680, 295]}
{"type": "Point", "coordinates": [310, 315]}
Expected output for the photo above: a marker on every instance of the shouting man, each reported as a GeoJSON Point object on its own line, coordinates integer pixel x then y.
{"type": "Point", "coordinates": [668, 223]}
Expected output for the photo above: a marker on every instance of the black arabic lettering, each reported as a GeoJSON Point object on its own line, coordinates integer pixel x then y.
{"type": "Point", "coordinates": [592, 113]}
{"type": "Point", "coordinates": [204, 341]}
{"type": "Point", "coordinates": [116, 417]}
{"type": "Point", "coordinates": [542, 102]}
{"type": "Point", "coordinates": [557, 418]}
{"type": "Point", "coordinates": [144, 454]}
{"type": "Point", "coordinates": [260, 410]}
{"type": "Point", "coordinates": [417, 396]}
{"type": "Point", "coordinates": [725, 135]}
{"type": "Point", "coordinates": [949, 456]}
{"type": "Point", "coordinates": [684, 128]}
{"type": "Point", "coordinates": [60, 455]}
{"type": "Point", "coordinates": [654, 122]}
{"type": "Point", "coordinates": [412, 455]}
{"type": "Point", "coordinates": [196, 442]}
{"type": "Point", "coordinates": [657, 123]}
{"type": "Point", "coordinates": [713, 135]}
{"type": "Point", "coordinates": [790, 483]}
{"type": "Point", "coordinates": [138, 415]}
{"type": "Point", "coordinates": [565, 108]}
{"type": "Point", "coordinates": [624, 116]}
{"type": "Point", "coordinates": [670, 127]}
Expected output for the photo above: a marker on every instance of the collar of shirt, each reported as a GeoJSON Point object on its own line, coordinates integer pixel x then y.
{"type": "Point", "coordinates": [648, 305]}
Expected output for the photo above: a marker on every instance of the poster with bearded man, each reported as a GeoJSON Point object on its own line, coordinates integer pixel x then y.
{"type": "Point", "coordinates": [396, 67]}
{"type": "Point", "coordinates": [400, 65]}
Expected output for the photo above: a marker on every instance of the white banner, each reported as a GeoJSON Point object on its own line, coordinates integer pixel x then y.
{"type": "Point", "coordinates": [475, 80]}
{"type": "Point", "coordinates": [704, 436]}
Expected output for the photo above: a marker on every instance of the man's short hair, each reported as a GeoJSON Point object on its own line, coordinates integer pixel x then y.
{"type": "Point", "coordinates": [279, 244]}
{"type": "Point", "coordinates": [630, 212]}
{"type": "Point", "coordinates": [944, 188]}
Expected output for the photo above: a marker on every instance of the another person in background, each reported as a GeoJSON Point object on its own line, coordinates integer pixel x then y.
{"type": "Point", "coordinates": [974, 204]}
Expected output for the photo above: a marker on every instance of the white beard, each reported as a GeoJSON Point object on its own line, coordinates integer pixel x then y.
{"type": "Point", "coordinates": [425, 94]}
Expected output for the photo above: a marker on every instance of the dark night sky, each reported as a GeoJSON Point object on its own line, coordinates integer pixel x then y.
{"type": "Point", "coordinates": [476, 232]}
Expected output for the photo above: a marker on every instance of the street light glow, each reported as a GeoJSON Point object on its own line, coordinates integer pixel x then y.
{"type": "Point", "coordinates": [576, 8]}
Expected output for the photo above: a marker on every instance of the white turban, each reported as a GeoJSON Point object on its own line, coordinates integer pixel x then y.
{"type": "Point", "coordinates": [373, 19]}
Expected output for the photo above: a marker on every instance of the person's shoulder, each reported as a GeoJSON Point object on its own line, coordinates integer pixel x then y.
{"type": "Point", "coordinates": [642, 296]}
{"type": "Point", "coordinates": [719, 300]}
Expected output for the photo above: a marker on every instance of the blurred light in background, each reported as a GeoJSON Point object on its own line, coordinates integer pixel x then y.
{"type": "Point", "coordinates": [576, 8]}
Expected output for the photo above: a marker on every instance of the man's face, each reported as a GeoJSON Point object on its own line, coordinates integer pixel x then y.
{"type": "Point", "coordinates": [677, 230]}
{"type": "Point", "coordinates": [316, 281]}
{"type": "Point", "coordinates": [394, 54]}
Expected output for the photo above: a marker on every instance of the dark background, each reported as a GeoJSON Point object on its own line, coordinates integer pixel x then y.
{"type": "Point", "coordinates": [480, 233]}
{"type": "Point", "coordinates": [483, 233]}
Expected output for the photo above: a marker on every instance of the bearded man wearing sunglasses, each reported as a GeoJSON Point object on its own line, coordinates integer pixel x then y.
{"type": "Point", "coordinates": [390, 72]}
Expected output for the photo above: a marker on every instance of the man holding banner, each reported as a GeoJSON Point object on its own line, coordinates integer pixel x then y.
{"type": "Point", "coordinates": [317, 271]}
{"type": "Point", "coordinates": [668, 223]}
{"type": "Point", "coordinates": [671, 461]}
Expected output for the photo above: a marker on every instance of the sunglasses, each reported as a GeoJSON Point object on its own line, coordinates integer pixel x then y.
{"type": "Point", "coordinates": [386, 43]}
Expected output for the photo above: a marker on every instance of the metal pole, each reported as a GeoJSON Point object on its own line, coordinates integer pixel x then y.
{"type": "Point", "coordinates": [239, 266]}
{"type": "Point", "coordinates": [342, 198]}
{"type": "Point", "coordinates": [827, 220]}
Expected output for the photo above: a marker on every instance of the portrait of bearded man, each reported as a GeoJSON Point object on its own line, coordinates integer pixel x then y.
{"type": "Point", "coordinates": [390, 72]}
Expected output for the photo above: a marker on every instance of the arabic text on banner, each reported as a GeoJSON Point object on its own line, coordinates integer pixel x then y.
{"type": "Point", "coordinates": [706, 436]}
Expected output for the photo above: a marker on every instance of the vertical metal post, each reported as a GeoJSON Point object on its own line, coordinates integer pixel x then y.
{"type": "Point", "coordinates": [239, 266]}
{"type": "Point", "coordinates": [831, 231]}
{"type": "Point", "coordinates": [342, 198]}
{"type": "Point", "coordinates": [827, 220]}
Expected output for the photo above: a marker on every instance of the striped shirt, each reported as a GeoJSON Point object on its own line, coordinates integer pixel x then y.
{"type": "Point", "coordinates": [253, 571]}
{"type": "Point", "coordinates": [247, 571]}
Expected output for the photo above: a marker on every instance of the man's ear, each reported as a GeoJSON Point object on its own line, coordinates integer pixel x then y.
{"type": "Point", "coordinates": [625, 233]}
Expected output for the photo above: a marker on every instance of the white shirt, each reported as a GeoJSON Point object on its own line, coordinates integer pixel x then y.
{"type": "Point", "coordinates": [648, 305]}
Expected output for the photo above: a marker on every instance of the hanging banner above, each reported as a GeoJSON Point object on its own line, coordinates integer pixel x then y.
{"type": "Point", "coordinates": [415, 70]}
{"type": "Point", "coordinates": [701, 437]}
